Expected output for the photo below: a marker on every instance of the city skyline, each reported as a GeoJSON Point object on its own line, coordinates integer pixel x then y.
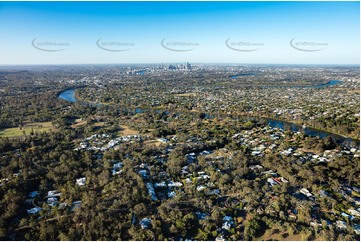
{"type": "Point", "coordinates": [179, 32]}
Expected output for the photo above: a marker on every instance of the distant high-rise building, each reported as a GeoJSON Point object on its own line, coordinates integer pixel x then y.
{"type": "Point", "coordinates": [189, 67]}
{"type": "Point", "coordinates": [172, 67]}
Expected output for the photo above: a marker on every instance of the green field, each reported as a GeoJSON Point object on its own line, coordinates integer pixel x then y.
{"type": "Point", "coordinates": [28, 127]}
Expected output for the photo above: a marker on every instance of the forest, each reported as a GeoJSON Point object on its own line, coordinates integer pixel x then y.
{"type": "Point", "coordinates": [175, 157]}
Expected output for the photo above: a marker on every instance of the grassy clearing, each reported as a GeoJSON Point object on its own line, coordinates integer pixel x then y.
{"type": "Point", "coordinates": [94, 121]}
{"type": "Point", "coordinates": [27, 128]}
{"type": "Point", "coordinates": [153, 142]}
{"type": "Point", "coordinates": [185, 94]}
{"type": "Point", "coordinates": [78, 123]}
{"type": "Point", "coordinates": [304, 150]}
{"type": "Point", "coordinates": [99, 124]}
{"type": "Point", "coordinates": [280, 236]}
{"type": "Point", "coordinates": [126, 130]}
{"type": "Point", "coordinates": [194, 110]}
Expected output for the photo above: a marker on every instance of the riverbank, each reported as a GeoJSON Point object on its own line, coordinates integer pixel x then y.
{"type": "Point", "coordinates": [69, 95]}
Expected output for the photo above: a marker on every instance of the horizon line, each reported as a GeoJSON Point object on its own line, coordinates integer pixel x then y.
{"type": "Point", "coordinates": [176, 62]}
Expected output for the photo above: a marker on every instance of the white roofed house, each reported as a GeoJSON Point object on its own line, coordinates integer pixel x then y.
{"type": "Point", "coordinates": [220, 238]}
{"type": "Point", "coordinates": [174, 184]}
{"type": "Point", "coordinates": [117, 168]}
{"type": "Point", "coordinates": [53, 193]}
{"type": "Point", "coordinates": [163, 140]}
{"type": "Point", "coordinates": [188, 180]}
{"type": "Point", "coordinates": [34, 210]}
{"type": "Point", "coordinates": [254, 167]}
{"type": "Point", "coordinates": [269, 173]}
{"type": "Point", "coordinates": [272, 182]}
{"type": "Point", "coordinates": [341, 224]}
{"type": "Point", "coordinates": [76, 205]}
{"type": "Point", "coordinates": [52, 201]}
{"type": "Point", "coordinates": [171, 194]}
{"type": "Point", "coordinates": [160, 184]}
{"type": "Point", "coordinates": [200, 188]}
{"type": "Point", "coordinates": [256, 152]}
{"type": "Point", "coordinates": [145, 223]}
{"type": "Point", "coordinates": [33, 194]}
{"type": "Point", "coordinates": [305, 192]}
{"type": "Point", "coordinates": [151, 191]}
{"type": "Point", "coordinates": [143, 173]}
{"type": "Point", "coordinates": [205, 152]}
{"type": "Point", "coordinates": [81, 181]}
{"type": "Point", "coordinates": [354, 212]}
{"type": "Point", "coordinates": [228, 223]}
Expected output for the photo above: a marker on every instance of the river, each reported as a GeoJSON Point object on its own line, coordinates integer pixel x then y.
{"type": "Point", "coordinates": [348, 142]}
{"type": "Point", "coordinates": [69, 95]}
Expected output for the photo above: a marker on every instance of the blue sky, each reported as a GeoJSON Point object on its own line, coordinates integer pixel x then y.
{"type": "Point", "coordinates": [28, 30]}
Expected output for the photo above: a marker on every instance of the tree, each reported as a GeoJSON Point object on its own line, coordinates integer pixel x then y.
{"type": "Point", "coordinates": [104, 177]}
{"type": "Point", "coordinates": [252, 228]}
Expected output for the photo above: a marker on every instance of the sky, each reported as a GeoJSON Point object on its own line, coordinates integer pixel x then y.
{"type": "Point", "coordinates": [175, 32]}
